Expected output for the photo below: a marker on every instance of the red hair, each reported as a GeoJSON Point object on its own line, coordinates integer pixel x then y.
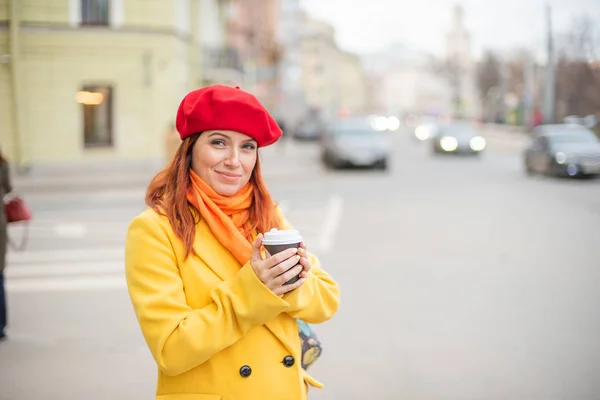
{"type": "Point", "coordinates": [167, 193]}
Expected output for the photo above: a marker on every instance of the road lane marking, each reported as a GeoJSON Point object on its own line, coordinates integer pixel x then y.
{"type": "Point", "coordinates": [65, 277]}
{"type": "Point", "coordinates": [332, 220]}
{"type": "Point", "coordinates": [70, 230]}
{"type": "Point", "coordinates": [61, 269]}
{"type": "Point", "coordinates": [66, 284]}
{"type": "Point", "coordinates": [81, 255]}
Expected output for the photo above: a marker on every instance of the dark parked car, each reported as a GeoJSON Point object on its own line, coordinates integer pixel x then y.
{"type": "Point", "coordinates": [567, 152]}
{"type": "Point", "coordinates": [557, 128]}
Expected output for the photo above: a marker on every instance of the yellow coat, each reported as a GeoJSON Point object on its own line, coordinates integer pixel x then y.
{"type": "Point", "coordinates": [206, 319]}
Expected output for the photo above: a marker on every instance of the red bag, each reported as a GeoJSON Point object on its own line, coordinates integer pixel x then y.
{"type": "Point", "coordinates": [16, 210]}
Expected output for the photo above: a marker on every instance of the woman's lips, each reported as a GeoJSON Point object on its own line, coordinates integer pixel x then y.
{"type": "Point", "coordinates": [228, 175]}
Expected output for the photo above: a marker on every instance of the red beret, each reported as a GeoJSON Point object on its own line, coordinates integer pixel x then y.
{"type": "Point", "coordinates": [227, 108]}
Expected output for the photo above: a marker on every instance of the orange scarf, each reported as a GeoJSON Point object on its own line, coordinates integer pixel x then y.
{"type": "Point", "coordinates": [226, 216]}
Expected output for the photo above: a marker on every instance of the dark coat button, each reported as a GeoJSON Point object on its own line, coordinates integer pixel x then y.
{"type": "Point", "coordinates": [245, 371]}
{"type": "Point", "coordinates": [288, 361]}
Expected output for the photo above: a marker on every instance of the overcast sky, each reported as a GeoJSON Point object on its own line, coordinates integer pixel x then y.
{"type": "Point", "coordinates": [371, 25]}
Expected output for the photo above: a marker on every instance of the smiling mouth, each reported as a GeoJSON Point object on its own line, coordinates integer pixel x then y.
{"type": "Point", "coordinates": [228, 174]}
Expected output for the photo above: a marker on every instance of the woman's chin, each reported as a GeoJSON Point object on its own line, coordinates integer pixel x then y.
{"type": "Point", "coordinates": [225, 189]}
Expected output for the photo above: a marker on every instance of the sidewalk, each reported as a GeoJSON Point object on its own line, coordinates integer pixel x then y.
{"type": "Point", "coordinates": [82, 176]}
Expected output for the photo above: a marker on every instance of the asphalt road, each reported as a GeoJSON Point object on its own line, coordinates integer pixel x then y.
{"type": "Point", "coordinates": [461, 278]}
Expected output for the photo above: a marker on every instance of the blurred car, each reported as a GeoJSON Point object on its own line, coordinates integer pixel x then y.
{"type": "Point", "coordinates": [458, 138]}
{"type": "Point", "coordinates": [309, 130]}
{"type": "Point", "coordinates": [355, 142]}
{"type": "Point", "coordinates": [560, 128]}
{"type": "Point", "coordinates": [567, 152]}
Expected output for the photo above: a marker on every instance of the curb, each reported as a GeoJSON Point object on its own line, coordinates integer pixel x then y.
{"type": "Point", "coordinates": [64, 185]}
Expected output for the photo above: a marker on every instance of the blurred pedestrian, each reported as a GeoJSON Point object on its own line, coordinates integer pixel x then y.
{"type": "Point", "coordinates": [211, 303]}
{"type": "Point", "coordinates": [5, 187]}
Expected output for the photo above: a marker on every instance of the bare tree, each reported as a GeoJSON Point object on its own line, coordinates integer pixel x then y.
{"type": "Point", "coordinates": [582, 42]}
{"type": "Point", "coordinates": [578, 88]}
{"type": "Point", "coordinates": [577, 77]}
{"type": "Point", "coordinates": [489, 74]}
{"type": "Point", "coordinates": [488, 78]}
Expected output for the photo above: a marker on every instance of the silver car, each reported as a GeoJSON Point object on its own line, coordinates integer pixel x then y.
{"type": "Point", "coordinates": [355, 142]}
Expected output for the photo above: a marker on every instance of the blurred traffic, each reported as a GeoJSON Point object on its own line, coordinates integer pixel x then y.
{"type": "Point", "coordinates": [440, 159]}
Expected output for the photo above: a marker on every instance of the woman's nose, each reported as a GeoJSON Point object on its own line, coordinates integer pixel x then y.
{"type": "Point", "coordinates": [233, 160]}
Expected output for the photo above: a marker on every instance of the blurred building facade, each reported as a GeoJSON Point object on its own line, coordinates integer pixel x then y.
{"type": "Point", "coordinates": [333, 80]}
{"type": "Point", "coordinates": [460, 67]}
{"type": "Point", "coordinates": [318, 65]}
{"type": "Point", "coordinates": [293, 103]}
{"type": "Point", "coordinates": [93, 79]}
{"type": "Point", "coordinates": [252, 27]}
{"type": "Point", "coordinates": [352, 85]}
{"type": "Point", "coordinates": [405, 81]}
{"type": "Point", "coordinates": [221, 61]}
{"type": "Point", "coordinates": [101, 80]}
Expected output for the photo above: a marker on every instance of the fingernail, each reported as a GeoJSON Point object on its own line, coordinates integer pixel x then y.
{"type": "Point", "coordinates": [295, 251]}
{"type": "Point", "coordinates": [298, 258]}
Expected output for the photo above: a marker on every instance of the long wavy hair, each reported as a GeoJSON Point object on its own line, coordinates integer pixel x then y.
{"type": "Point", "coordinates": [167, 195]}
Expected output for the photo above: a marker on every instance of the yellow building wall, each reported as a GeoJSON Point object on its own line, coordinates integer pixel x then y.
{"type": "Point", "coordinates": [145, 13]}
{"type": "Point", "coordinates": [4, 11]}
{"type": "Point", "coordinates": [150, 14]}
{"type": "Point", "coordinates": [145, 62]}
{"type": "Point", "coordinates": [147, 87]}
{"type": "Point", "coordinates": [6, 126]}
{"type": "Point", "coordinates": [49, 11]}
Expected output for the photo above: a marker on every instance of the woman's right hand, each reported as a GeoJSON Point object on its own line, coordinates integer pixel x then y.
{"type": "Point", "coordinates": [272, 270]}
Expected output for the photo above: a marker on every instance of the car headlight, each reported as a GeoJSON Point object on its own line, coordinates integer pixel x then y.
{"type": "Point", "coordinates": [477, 143]}
{"type": "Point", "coordinates": [448, 143]}
{"type": "Point", "coordinates": [422, 133]}
{"type": "Point", "coordinates": [393, 124]}
{"type": "Point", "coordinates": [560, 157]}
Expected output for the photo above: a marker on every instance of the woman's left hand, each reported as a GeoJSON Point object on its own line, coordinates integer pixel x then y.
{"type": "Point", "coordinates": [304, 261]}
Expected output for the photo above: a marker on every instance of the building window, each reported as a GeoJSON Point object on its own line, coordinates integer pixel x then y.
{"type": "Point", "coordinates": [96, 103]}
{"type": "Point", "coordinates": [94, 12]}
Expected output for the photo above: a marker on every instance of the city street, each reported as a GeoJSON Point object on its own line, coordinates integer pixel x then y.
{"type": "Point", "coordinates": [461, 278]}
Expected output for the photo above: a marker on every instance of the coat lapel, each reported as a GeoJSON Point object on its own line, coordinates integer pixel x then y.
{"type": "Point", "coordinates": [214, 254]}
{"type": "Point", "coordinates": [283, 333]}
{"type": "Point", "coordinates": [225, 266]}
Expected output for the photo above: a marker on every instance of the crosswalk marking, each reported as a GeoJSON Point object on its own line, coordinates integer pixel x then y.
{"type": "Point", "coordinates": [85, 269]}
{"type": "Point", "coordinates": [63, 277]}
{"type": "Point", "coordinates": [65, 284]}
{"type": "Point", "coordinates": [65, 255]}
{"type": "Point", "coordinates": [331, 222]}
{"type": "Point", "coordinates": [60, 269]}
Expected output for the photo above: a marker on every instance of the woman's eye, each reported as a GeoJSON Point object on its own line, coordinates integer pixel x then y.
{"type": "Point", "coordinates": [218, 142]}
{"type": "Point", "coordinates": [249, 146]}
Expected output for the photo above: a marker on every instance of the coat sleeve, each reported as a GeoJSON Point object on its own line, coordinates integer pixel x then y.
{"type": "Point", "coordinates": [179, 337]}
{"type": "Point", "coordinates": [318, 299]}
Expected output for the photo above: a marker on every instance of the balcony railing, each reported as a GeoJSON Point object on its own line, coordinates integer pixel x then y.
{"type": "Point", "coordinates": [222, 58]}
